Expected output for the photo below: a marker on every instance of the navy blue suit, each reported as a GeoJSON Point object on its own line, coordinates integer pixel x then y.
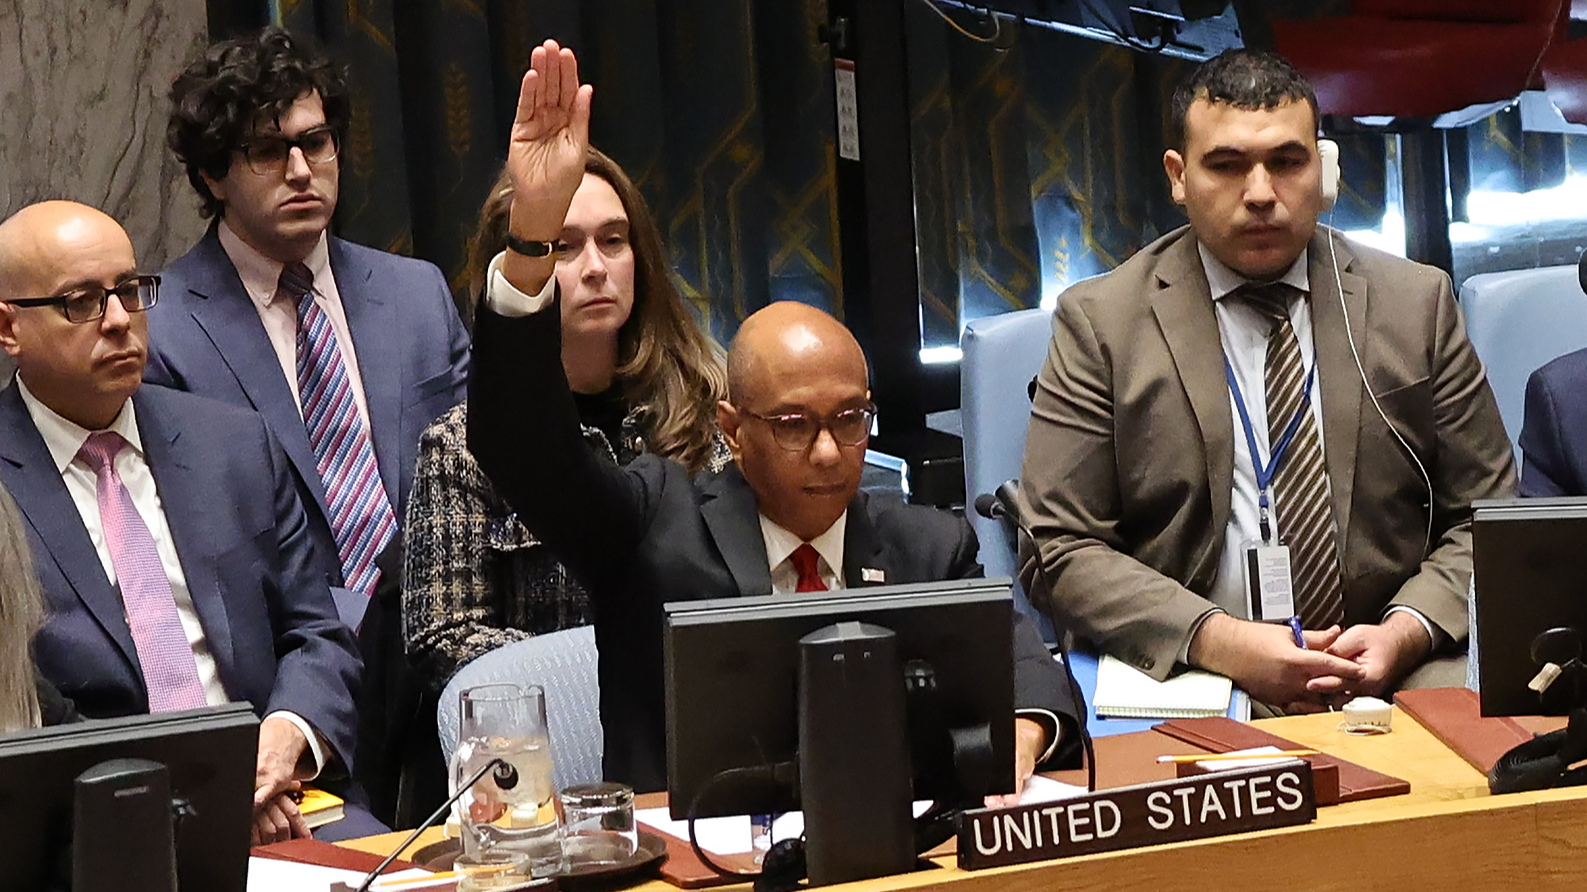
{"type": "Point", "coordinates": [205, 337]}
{"type": "Point", "coordinates": [256, 576]}
{"type": "Point", "coordinates": [1554, 434]}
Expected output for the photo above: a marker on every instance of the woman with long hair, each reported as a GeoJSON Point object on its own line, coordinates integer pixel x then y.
{"type": "Point", "coordinates": [26, 699]}
{"type": "Point", "coordinates": [645, 377]}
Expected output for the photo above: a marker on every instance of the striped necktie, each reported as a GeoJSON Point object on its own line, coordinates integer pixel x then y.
{"type": "Point", "coordinates": [1300, 487]}
{"type": "Point", "coordinates": [165, 657]}
{"type": "Point", "coordinates": [360, 511]}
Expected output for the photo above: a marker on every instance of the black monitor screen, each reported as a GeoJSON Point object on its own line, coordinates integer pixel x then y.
{"type": "Point", "coordinates": [1530, 577]}
{"type": "Point", "coordinates": [210, 753]}
{"type": "Point", "coordinates": [732, 667]}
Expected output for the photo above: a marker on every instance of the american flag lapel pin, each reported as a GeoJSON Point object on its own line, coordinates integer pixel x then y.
{"type": "Point", "coordinates": [870, 574]}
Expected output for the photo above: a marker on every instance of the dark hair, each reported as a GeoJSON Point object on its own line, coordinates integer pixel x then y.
{"type": "Point", "coordinates": [1246, 79]}
{"type": "Point", "coordinates": [219, 99]}
{"type": "Point", "coordinates": [665, 361]}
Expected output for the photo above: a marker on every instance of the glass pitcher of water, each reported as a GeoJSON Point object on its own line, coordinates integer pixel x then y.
{"type": "Point", "coordinates": [508, 808]}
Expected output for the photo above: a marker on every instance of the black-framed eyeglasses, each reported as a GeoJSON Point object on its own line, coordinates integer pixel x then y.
{"type": "Point", "coordinates": [795, 431]}
{"type": "Point", "coordinates": [88, 303]}
{"type": "Point", "coordinates": [268, 154]}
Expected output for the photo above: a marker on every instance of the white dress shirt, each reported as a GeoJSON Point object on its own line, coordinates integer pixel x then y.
{"type": "Point", "coordinates": [260, 275]}
{"type": "Point", "coordinates": [780, 544]}
{"type": "Point", "coordinates": [64, 439]}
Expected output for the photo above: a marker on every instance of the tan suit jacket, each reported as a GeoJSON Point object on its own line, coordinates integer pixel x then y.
{"type": "Point", "coordinates": [1128, 469]}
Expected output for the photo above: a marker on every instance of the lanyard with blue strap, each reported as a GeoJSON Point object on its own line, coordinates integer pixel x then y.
{"type": "Point", "coordinates": [1266, 473]}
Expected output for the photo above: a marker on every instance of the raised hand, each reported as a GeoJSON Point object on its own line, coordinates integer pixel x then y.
{"type": "Point", "coordinates": [550, 134]}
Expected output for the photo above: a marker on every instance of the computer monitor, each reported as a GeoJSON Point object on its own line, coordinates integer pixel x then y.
{"type": "Point", "coordinates": [210, 754]}
{"type": "Point", "coordinates": [732, 669]}
{"type": "Point", "coordinates": [1530, 577]}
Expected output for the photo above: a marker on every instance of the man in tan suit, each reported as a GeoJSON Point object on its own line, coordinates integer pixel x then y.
{"type": "Point", "coordinates": [1139, 480]}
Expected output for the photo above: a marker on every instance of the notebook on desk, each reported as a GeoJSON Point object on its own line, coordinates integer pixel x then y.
{"type": "Point", "coordinates": [1126, 692]}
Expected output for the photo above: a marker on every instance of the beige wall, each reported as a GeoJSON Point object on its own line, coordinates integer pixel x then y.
{"type": "Point", "coordinates": [83, 112]}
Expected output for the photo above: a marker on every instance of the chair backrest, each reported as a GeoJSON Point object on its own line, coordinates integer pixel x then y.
{"type": "Point", "coordinates": [1517, 322]}
{"type": "Point", "coordinates": [564, 663]}
{"type": "Point", "coordinates": [1485, 11]}
{"type": "Point", "coordinates": [1001, 355]}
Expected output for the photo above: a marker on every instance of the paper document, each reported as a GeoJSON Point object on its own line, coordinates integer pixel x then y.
{"type": "Point", "coordinates": [271, 875]}
{"type": "Point", "coordinates": [730, 835]}
{"type": "Point", "coordinates": [1126, 692]}
{"type": "Point", "coordinates": [1045, 789]}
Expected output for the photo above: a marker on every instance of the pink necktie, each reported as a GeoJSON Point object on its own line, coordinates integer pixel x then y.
{"type": "Point", "coordinates": [806, 561]}
{"type": "Point", "coordinates": [361, 515]}
{"type": "Point", "coordinates": [164, 655]}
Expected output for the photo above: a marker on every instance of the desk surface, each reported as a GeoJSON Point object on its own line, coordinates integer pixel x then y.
{"type": "Point", "coordinates": [1447, 833]}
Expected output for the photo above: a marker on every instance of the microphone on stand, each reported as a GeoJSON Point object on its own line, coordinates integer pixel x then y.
{"type": "Point", "coordinates": [503, 773]}
{"type": "Point", "coordinates": [1003, 504]}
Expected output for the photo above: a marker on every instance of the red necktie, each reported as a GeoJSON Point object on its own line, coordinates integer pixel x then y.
{"type": "Point", "coordinates": [805, 560]}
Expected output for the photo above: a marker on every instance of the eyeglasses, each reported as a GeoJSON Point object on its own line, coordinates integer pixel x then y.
{"type": "Point", "coordinates": [268, 154]}
{"type": "Point", "coordinates": [795, 431]}
{"type": "Point", "coordinates": [87, 304]}
{"type": "Point", "coordinates": [612, 245]}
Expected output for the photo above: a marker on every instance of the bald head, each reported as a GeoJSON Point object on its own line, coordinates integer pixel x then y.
{"type": "Point", "coordinates": [86, 370]}
{"type": "Point", "coordinates": [784, 338]}
{"type": "Point", "coordinates": [43, 240]}
{"type": "Point", "coordinates": [793, 374]}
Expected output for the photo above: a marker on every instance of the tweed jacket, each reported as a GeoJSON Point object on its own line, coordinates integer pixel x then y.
{"type": "Point", "coordinates": [474, 577]}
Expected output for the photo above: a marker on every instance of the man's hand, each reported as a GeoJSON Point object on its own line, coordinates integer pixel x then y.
{"type": "Point", "coordinates": [545, 157]}
{"type": "Point", "coordinates": [1030, 741]}
{"type": "Point", "coordinates": [281, 748]}
{"type": "Point", "coordinates": [278, 821]}
{"type": "Point", "coordinates": [1263, 660]}
{"type": "Point", "coordinates": [1384, 652]}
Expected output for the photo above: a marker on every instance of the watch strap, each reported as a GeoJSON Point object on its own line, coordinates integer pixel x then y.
{"type": "Point", "coordinates": [528, 248]}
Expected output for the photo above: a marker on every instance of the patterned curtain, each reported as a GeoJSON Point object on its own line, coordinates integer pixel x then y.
{"type": "Point", "coordinates": [722, 113]}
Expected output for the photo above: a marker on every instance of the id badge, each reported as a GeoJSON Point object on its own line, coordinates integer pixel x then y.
{"type": "Point", "coordinates": [1268, 580]}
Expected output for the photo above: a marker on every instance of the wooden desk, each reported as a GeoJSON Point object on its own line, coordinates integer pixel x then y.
{"type": "Point", "coordinates": [1447, 833]}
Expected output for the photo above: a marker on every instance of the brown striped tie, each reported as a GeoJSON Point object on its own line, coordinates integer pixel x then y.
{"type": "Point", "coordinates": [1301, 485]}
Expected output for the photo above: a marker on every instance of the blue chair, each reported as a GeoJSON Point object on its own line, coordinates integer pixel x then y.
{"type": "Point", "coordinates": [1518, 321]}
{"type": "Point", "coordinates": [1001, 355]}
{"type": "Point", "coordinates": [564, 664]}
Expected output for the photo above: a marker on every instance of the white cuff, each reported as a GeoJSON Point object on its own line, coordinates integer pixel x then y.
{"type": "Point", "coordinates": [1433, 636]}
{"type": "Point", "coordinates": [1047, 719]}
{"type": "Point", "coordinates": [316, 746]}
{"type": "Point", "coordinates": [504, 299]}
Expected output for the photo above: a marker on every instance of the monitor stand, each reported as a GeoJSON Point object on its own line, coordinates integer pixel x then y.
{"type": "Point", "coordinates": [854, 765]}
{"type": "Point", "coordinates": [123, 839]}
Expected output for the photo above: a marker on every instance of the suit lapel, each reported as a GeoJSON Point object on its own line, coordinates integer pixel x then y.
{"type": "Point", "coordinates": [1338, 377]}
{"type": "Point", "coordinates": [41, 494]}
{"type": "Point", "coordinates": [863, 562]}
{"type": "Point", "coordinates": [1183, 306]}
{"type": "Point", "coordinates": [381, 368]}
{"type": "Point", "coordinates": [733, 517]}
{"type": "Point", "coordinates": [183, 497]}
{"type": "Point", "coordinates": [228, 318]}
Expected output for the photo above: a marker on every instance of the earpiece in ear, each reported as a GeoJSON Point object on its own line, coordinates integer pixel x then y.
{"type": "Point", "coordinates": [1328, 153]}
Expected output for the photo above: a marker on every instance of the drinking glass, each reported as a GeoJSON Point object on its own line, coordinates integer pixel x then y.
{"type": "Point", "coordinates": [511, 807]}
{"type": "Point", "coordinates": [599, 826]}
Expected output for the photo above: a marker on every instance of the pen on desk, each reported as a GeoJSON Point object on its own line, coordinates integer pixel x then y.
{"type": "Point", "coordinates": [1294, 626]}
{"type": "Point", "coordinates": [1230, 757]}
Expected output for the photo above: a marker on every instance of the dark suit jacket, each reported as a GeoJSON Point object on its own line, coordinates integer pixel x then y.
{"type": "Point", "coordinates": [647, 534]}
{"type": "Point", "coordinates": [205, 337]}
{"type": "Point", "coordinates": [1554, 434]}
{"type": "Point", "coordinates": [1129, 459]}
{"type": "Point", "coordinates": [256, 577]}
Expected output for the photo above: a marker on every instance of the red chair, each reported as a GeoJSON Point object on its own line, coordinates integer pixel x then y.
{"type": "Point", "coordinates": [1421, 58]}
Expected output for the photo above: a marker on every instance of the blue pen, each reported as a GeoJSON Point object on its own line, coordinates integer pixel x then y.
{"type": "Point", "coordinates": [1294, 626]}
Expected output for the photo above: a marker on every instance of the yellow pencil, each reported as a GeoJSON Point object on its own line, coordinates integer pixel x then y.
{"type": "Point", "coordinates": [1221, 757]}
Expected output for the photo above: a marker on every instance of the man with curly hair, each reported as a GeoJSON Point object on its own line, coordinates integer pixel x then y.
{"type": "Point", "coordinates": [348, 352]}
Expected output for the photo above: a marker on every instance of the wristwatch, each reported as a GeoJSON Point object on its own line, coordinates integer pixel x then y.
{"type": "Point", "coordinates": [528, 248]}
